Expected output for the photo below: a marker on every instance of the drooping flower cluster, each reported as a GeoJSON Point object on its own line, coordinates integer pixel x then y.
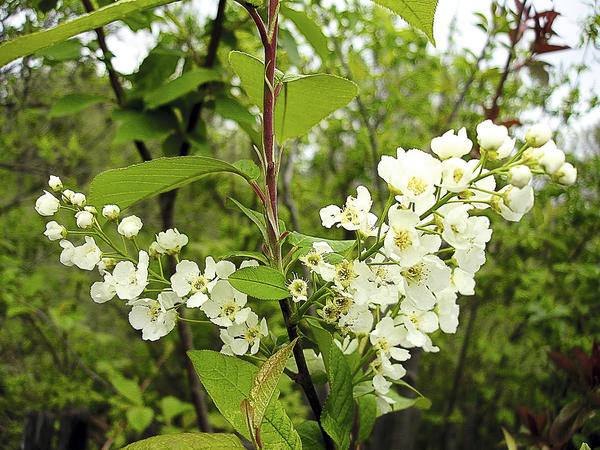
{"type": "Point", "coordinates": [132, 279]}
{"type": "Point", "coordinates": [430, 243]}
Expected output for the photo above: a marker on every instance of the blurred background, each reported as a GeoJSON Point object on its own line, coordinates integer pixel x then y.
{"type": "Point", "coordinates": [75, 374]}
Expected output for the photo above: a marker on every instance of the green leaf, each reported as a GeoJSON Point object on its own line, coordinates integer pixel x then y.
{"type": "Point", "coordinates": [63, 51]}
{"type": "Point", "coordinates": [311, 31]}
{"type": "Point", "coordinates": [338, 411]}
{"type": "Point", "coordinates": [303, 101]}
{"type": "Point", "coordinates": [155, 69]}
{"type": "Point", "coordinates": [246, 254]}
{"type": "Point", "coordinates": [303, 240]}
{"type": "Point", "coordinates": [230, 108]}
{"type": "Point", "coordinates": [248, 167]}
{"type": "Point", "coordinates": [367, 413]}
{"type": "Point", "coordinates": [127, 388]}
{"type": "Point", "coordinates": [260, 282]}
{"type": "Point", "coordinates": [172, 407]}
{"type": "Point", "coordinates": [265, 383]}
{"type": "Point", "coordinates": [417, 13]}
{"type": "Point", "coordinates": [254, 216]}
{"type": "Point", "coordinates": [30, 43]}
{"type": "Point", "coordinates": [143, 126]}
{"type": "Point", "coordinates": [228, 381]}
{"type": "Point", "coordinates": [189, 441]}
{"type": "Point", "coordinates": [311, 436]}
{"type": "Point", "coordinates": [509, 440]}
{"type": "Point", "coordinates": [129, 185]}
{"type": "Point", "coordinates": [323, 338]}
{"type": "Point", "coordinates": [187, 82]}
{"type": "Point", "coordinates": [139, 417]}
{"type": "Point", "coordinates": [72, 103]}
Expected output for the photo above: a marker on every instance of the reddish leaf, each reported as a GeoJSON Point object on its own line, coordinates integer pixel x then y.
{"type": "Point", "coordinates": [565, 363]}
{"type": "Point", "coordinates": [569, 420]}
{"type": "Point", "coordinates": [585, 364]}
{"type": "Point", "coordinates": [543, 47]}
{"type": "Point", "coordinates": [530, 421]}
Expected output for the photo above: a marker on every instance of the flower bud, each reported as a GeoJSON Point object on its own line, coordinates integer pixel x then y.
{"type": "Point", "coordinates": [491, 137]}
{"type": "Point", "coordinates": [519, 176]}
{"type": "Point", "coordinates": [55, 183]}
{"type": "Point", "coordinates": [505, 149]}
{"type": "Point", "coordinates": [85, 219]}
{"type": "Point", "coordinates": [55, 231]}
{"type": "Point", "coordinates": [91, 209]}
{"type": "Point", "coordinates": [78, 199]}
{"type": "Point", "coordinates": [47, 204]}
{"type": "Point", "coordinates": [538, 135]}
{"type": "Point", "coordinates": [130, 226]}
{"type": "Point", "coordinates": [111, 212]}
{"type": "Point", "coordinates": [450, 145]}
{"type": "Point", "coordinates": [66, 196]}
{"type": "Point", "coordinates": [171, 241]}
{"type": "Point", "coordinates": [106, 264]}
{"type": "Point", "coordinates": [566, 175]}
{"type": "Point", "coordinates": [552, 158]}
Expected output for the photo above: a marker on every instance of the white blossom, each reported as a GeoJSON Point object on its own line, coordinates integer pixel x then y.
{"type": "Point", "coordinates": [424, 279]}
{"type": "Point", "coordinates": [154, 317]}
{"type": "Point", "coordinates": [566, 175]}
{"type": "Point", "coordinates": [66, 256]}
{"type": "Point", "coordinates": [238, 338]}
{"type": "Point", "coordinates": [417, 323]}
{"type": "Point", "coordinates": [130, 226]}
{"type": "Point", "coordinates": [519, 176]}
{"type": "Point", "coordinates": [538, 135]}
{"type": "Point", "coordinates": [354, 214]}
{"type": "Point", "coordinates": [103, 291]}
{"type": "Point", "coordinates": [78, 199]}
{"type": "Point", "coordinates": [170, 241]}
{"type": "Point", "coordinates": [451, 145]}
{"type": "Point", "coordinates": [315, 261]}
{"type": "Point", "coordinates": [386, 338]}
{"type": "Point", "coordinates": [456, 174]}
{"type": "Point", "coordinates": [55, 231]}
{"type": "Point", "coordinates": [514, 202]}
{"type": "Point", "coordinates": [299, 289]}
{"type": "Point", "coordinates": [490, 136]}
{"type": "Point", "coordinates": [85, 219]}
{"type": "Point", "coordinates": [504, 150]}
{"type": "Point", "coordinates": [130, 281]}
{"type": "Point", "coordinates": [226, 305]}
{"type": "Point", "coordinates": [47, 204]}
{"type": "Point", "coordinates": [188, 279]}
{"type": "Point", "coordinates": [66, 195]}
{"type": "Point", "coordinates": [552, 157]}
{"type": "Point", "coordinates": [111, 212]}
{"type": "Point", "coordinates": [348, 345]}
{"type": "Point", "coordinates": [447, 310]}
{"type": "Point", "coordinates": [55, 183]}
{"type": "Point", "coordinates": [86, 256]}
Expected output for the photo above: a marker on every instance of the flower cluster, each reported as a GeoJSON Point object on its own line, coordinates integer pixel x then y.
{"type": "Point", "coordinates": [429, 244]}
{"type": "Point", "coordinates": [131, 278]}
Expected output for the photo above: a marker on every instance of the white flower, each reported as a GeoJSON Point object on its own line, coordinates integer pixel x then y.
{"type": "Point", "coordinates": [188, 279]}
{"type": "Point", "coordinates": [78, 199]}
{"type": "Point", "coordinates": [85, 219]}
{"type": "Point", "coordinates": [299, 289]}
{"type": "Point", "coordinates": [386, 337]}
{"type": "Point", "coordinates": [130, 281]}
{"type": "Point", "coordinates": [490, 136]}
{"type": "Point", "coordinates": [403, 241]}
{"type": "Point", "coordinates": [538, 135]}
{"type": "Point", "coordinates": [355, 212]}
{"type": "Point", "coordinates": [130, 226]}
{"type": "Point", "coordinates": [514, 203]}
{"type": "Point", "coordinates": [566, 175]}
{"type": "Point", "coordinates": [111, 212]}
{"type": "Point", "coordinates": [170, 241]}
{"type": "Point", "coordinates": [377, 284]}
{"type": "Point", "coordinates": [66, 195]}
{"type": "Point", "coordinates": [47, 204]}
{"type": "Point", "coordinates": [357, 318]}
{"type": "Point", "coordinates": [447, 310]}
{"type": "Point", "coordinates": [413, 175]}
{"type": "Point", "coordinates": [478, 198]}
{"type": "Point", "coordinates": [55, 231]}
{"type": "Point", "coordinates": [226, 305]}
{"type": "Point", "coordinates": [505, 149]}
{"type": "Point", "coordinates": [315, 261]}
{"type": "Point", "coordinates": [450, 145]}
{"type": "Point", "coordinates": [417, 324]}
{"type": "Point", "coordinates": [519, 176]}
{"type": "Point", "coordinates": [456, 174]}
{"type": "Point", "coordinates": [348, 346]}
{"type": "Point", "coordinates": [55, 183]}
{"type": "Point", "coordinates": [552, 158]}
{"type": "Point", "coordinates": [154, 317]}
{"type": "Point", "coordinates": [66, 256]}
{"type": "Point", "coordinates": [106, 264]}
{"type": "Point", "coordinates": [424, 279]}
{"type": "Point", "coordinates": [238, 338]}
{"type": "Point", "coordinates": [86, 256]}
{"type": "Point", "coordinates": [103, 291]}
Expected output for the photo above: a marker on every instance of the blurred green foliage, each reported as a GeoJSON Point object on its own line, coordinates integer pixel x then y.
{"type": "Point", "coordinates": [538, 290]}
